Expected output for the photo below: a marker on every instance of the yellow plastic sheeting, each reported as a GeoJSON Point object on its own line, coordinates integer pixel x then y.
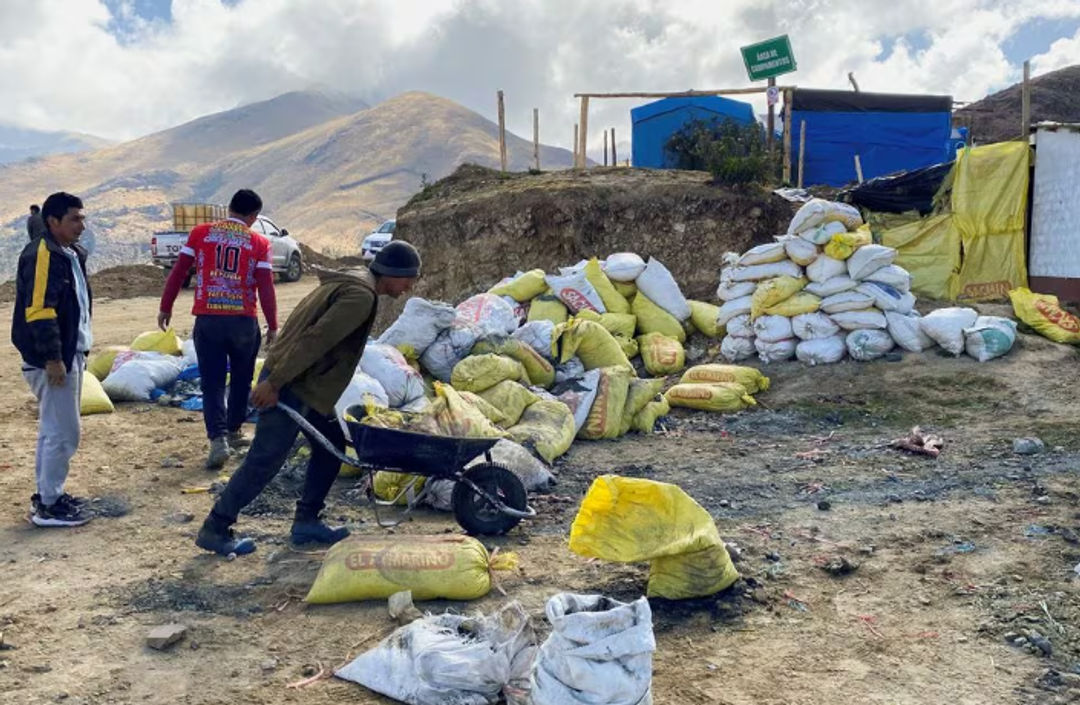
{"type": "Point", "coordinates": [930, 250]}
{"type": "Point", "coordinates": [433, 567]}
{"type": "Point", "coordinates": [989, 204]}
{"type": "Point", "coordinates": [629, 520]}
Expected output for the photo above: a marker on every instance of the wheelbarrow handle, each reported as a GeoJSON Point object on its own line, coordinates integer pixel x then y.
{"type": "Point", "coordinates": [307, 428]}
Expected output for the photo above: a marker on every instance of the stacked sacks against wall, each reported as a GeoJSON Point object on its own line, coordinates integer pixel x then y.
{"type": "Point", "coordinates": [824, 291]}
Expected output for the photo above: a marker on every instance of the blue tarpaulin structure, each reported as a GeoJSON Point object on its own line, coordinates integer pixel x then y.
{"type": "Point", "coordinates": [889, 132]}
{"type": "Point", "coordinates": [656, 122]}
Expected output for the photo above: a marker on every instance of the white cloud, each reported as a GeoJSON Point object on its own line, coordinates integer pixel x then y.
{"type": "Point", "coordinates": [62, 69]}
{"type": "Point", "coordinates": [1064, 52]}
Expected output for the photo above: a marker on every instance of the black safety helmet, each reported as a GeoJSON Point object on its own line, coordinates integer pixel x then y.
{"type": "Point", "coordinates": [397, 259]}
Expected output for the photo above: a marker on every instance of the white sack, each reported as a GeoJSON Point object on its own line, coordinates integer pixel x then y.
{"type": "Point", "coordinates": [822, 234]}
{"type": "Point", "coordinates": [887, 298]}
{"type": "Point", "coordinates": [517, 459]}
{"type": "Point", "coordinates": [906, 330]}
{"type": "Point", "coordinates": [836, 285]}
{"type": "Point", "coordinates": [623, 267]}
{"type": "Point", "coordinates": [818, 211]}
{"type": "Point", "coordinates": [579, 394]}
{"type": "Point", "coordinates": [661, 288]}
{"type": "Point", "coordinates": [450, 347]}
{"type": "Point", "coordinates": [729, 289]}
{"type": "Point", "coordinates": [989, 337]}
{"type": "Point", "coordinates": [763, 254]}
{"type": "Point", "coordinates": [419, 324]}
{"type": "Point", "coordinates": [735, 307]}
{"type": "Point", "coordinates": [361, 388]}
{"type": "Point", "coordinates": [824, 268]}
{"type": "Point", "coordinates": [946, 327]}
{"type": "Point", "coordinates": [740, 326]}
{"type": "Point", "coordinates": [865, 345]}
{"type": "Point", "coordinates": [140, 373]}
{"type": "Point", "coordinates": [573, 368]}
{"type": "Point", "coordinates": [386, 364]}
{"type": "Point", "coordinates": [772, 329]}
{"type": "Point", "coordinates": [800, 251]}
{"type": "Point", "coordinates": [868, 259]}
{"type": "Point", "coordinates": [894, 275]}
{"type": "Point", "coordinates": [537, 335]}
{"type": "Point", "coordinates": [775, 352]}
{"type": "Point", "coordinates": [857, 320]}
{"type": "Point", "coordinates": [813, 326]}
{"type": "Point", "coordinates": [487, 313]}
{"type": "Point", "coordinates": [821, 351]}
{"type": "Point", "coordinates": [846, 301]}
{"type": "Point", "coordinates": [757, 272]}
{"type": "Point", "coordinates": [735, 349]}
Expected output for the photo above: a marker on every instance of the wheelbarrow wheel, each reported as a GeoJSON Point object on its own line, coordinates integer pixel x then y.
{"type": "Point", "coordinates": [475, 513]}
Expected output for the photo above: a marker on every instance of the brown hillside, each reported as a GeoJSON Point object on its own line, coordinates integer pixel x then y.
{"type": "Point", "coordinates": [1055, 97]}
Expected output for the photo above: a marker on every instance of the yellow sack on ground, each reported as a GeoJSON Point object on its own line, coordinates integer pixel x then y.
{"type": "Point", "coordinates": [613, 300]}
{"type": "Point", "coordinates": [689, 575]}
{"type": "Point", "coordinates": [347, 470]}
{"type": "Point", "coordinates": [639, 393]}
{"type": "Point", "coordinates": [432, 567]}
{"type": "Point", "coordinates": [618, 324]}
{"type": "Point", "coordinates": [548, 307]}
{"type": "Point", "coordinates": [591, 343]}
{"type": "Point", "coordinates": [752, 380]}
{"type": "Point", "coordinates": [101, 364]}
{"type": "Point", "coordinates": [605, 416]}
{"type": "Point", "coordinates": [803, 302]}
{"type": "Point", "coordinates": [772, 291]}
{"type": "Point", "coordinates": [1043, 313]}
{"type": "Point", "coordinates": [843, 245]}
{"type": "Point", "coordinates": [510, 399]}
{"type": "Point", "coordinates": [629, 346]}
{"type": "Point", "coordinates": [162, 341]}
{"type": "Point", "coordinates": [662, 355]}
{"type": "Point", "coordinates": [457, 417]}
{"type": "Point", "coordinates": [485, 407]}
{"type": "Point", "coordinates": [645, 420]}
{"type": "Point", "coordinates": [653, 319]}
{"type": "Point", "coordinates": [94, 400]}
{"type": "Point", "coordinates": [541, 372]}
{"type": "Point", "coordinates": [524, 287]}
{"type": "Point", "coordinates": [722, 396]}
{"type": "Point", "coordinates": [627, 289]}
{"type": "Point", "coordinates": [703, 316]}
{"type": "Point", "coordinates": [479, 372]}
{"type": "Point", "coordinates": [547, 427]}
{"type": "Point", "coordinates": [389, 486]}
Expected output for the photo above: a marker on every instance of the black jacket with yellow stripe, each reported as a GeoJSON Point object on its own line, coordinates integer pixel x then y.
{"type": "Point", "coordinates": [45, 322]}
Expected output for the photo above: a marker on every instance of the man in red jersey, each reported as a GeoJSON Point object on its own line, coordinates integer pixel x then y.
{"type": "Point", "coordinates": [232, 268]}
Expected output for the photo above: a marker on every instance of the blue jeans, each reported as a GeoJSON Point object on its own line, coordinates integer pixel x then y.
{"type": "Point", "coordinates": [225, 345]}
{"type": "Point", "coordinates": [275, 433]}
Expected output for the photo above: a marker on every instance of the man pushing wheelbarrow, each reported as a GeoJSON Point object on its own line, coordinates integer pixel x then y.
{"type": "Point", "coordinates": [308, 368]}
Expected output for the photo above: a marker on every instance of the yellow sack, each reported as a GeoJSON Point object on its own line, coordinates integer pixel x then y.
{"type": "Point", "coordinates": [722, 396]}
{"type": "Point", "coordinates": [645, 420]}
{"type": "Point", "coordinates": [1043, 313]}
{"type": "Point", "coordinates": [613, 300]}
{"type": "Point", "coordinates": [629, 520]}
{"type": "Point", "coordinates": [662, 355]}
{"type": "Point", "coordinates": [541, 372]}
{"type": "Point", "coordinates": [803, 302]}
{"type": "Point", "coordinates": [773, 291]}
{"type": "Point", "coordinates": [347, 470]}
{"type": "Point", "coordinates": [618, 324]}
{"type": "Point", "coordinates": [94, 400]}
{"type": "Point", "coordinates": [591, 343]}
{"type": "Point", "coordinates": [162, 341]}
{"type": "Point", "coordinates": [457, 417]}
{"type": "Point", "coordinates": [629, 346]}
{"type": "Point", "coordinates": [704, 316]}
{"type": "Point", "coordinates": [511, 400]}
{"type": "Point", "coordinates": [605, 416]}
{"type": "Point", "coordinates": [627, 289]}
{"type": "Point", "coordinates": [491, 413]}
{"type": "Point", "coordinates": [389, 486]}
{"type": "Point", "coordinates": [547, 427]}
{"type": "Point", "coordinates": [752, 380]}
{"type": "Point", "coordinates": [101, 364]}
{"type": "Point", "coordinates": [639, 394]}
{"type": "Point", "coordinates": [432, 567]}
{"type": "Point", "coordinates": [653, 319]}
{"type": "Point", "coordinates": [524, 287]}
{"type": "Point", "coordinates": [843, 245]}
{"type": "Point", "coordinates": [479, 372]}
{"type": "Point", "coordinates": [548, 307]}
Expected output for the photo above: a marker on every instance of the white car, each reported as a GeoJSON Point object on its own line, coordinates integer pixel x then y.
{"type": "Point", "coordinates": [377, 239]}
{"type": "Point", "coordinates": [288, 261]}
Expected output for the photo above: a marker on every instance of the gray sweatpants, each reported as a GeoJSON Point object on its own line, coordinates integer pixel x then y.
{"type": "Point", "coordinates": [58, 426]}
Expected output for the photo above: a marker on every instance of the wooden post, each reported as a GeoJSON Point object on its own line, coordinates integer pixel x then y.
{"type": "Point", "coordinates": [502, 132]}
{"type": "Point", "coordinates": [575, 147]}
{"type": "Point", "coordinates": [1025, 103]}
{"type": "Point", "coordinates": [802, 149]}
{"type": "Point", "coordinates": [771, 124]}
{"type": "Point", "coordinates": [787, 136]}
{"type": "Point", "coordinates": [605, 147]}
{"type": "Point", "coordinates": [583, 134]}
{"type": "Point", "coordinates": [858, 168]}
{"type": "Point", "coordinates": [614, 156]}
{"type": "Point", "coordinates": [536, 139]}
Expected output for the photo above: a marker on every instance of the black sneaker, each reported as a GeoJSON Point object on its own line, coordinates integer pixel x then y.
{"type": "Point", "coordinates": [35, 502]}
{"type": "Point", "coordinates": [59, 513]}
{"type": "Point", "coordinates": [224, 544]}
{"type": "Point", "coordinates": [316, 531]}
{"type": "Point", "coordinates": [81, 502]}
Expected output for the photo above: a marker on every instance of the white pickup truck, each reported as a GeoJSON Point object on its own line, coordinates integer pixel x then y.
{"type": "Point", "coordinates": [288, 260]}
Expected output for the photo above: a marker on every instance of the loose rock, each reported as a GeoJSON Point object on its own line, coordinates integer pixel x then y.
{"type": "Point", "coordinates": [164, 636]}
{"type": "Point", "coordinates": [839, 565]}
{"type": "Point", "coordinates": [1028, 446]}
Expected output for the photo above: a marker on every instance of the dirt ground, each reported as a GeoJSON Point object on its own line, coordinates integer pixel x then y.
{"type": "Point", "coordinates": [953, 554]}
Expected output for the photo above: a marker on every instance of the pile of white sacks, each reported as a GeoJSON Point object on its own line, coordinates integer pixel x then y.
{"type": "Point", "coordinates": [824, 291]}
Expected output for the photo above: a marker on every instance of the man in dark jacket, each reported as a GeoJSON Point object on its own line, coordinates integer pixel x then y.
{"type": "Point", "coordinates": [35, 224]}
{"type": "Point", "coordinates": [51, 329]}
{"type": "Point", "coordinates": [308, 368]}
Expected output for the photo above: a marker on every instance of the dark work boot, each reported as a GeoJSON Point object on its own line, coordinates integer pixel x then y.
{"type": "Point", "coordinates": [222, 541]}
{"type": "Point", "coordinates": [316, 531]}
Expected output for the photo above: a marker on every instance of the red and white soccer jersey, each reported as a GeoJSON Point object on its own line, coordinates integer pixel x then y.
{"type": "Point", "coordinates": [227, 255]}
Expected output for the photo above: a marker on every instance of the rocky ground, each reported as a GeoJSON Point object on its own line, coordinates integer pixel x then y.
{"type": "Point", "coordinates": [869, 575]}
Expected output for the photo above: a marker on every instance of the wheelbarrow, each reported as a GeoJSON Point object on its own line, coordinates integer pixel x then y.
{"type": "Point", "coordinates": [487, 498]}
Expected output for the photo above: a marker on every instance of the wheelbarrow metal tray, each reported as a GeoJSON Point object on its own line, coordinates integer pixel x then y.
{"type": "Point", "coordinates": [416, 453]}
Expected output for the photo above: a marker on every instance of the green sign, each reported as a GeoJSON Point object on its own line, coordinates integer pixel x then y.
{"type": "Point", "coordinates": [769, 58]}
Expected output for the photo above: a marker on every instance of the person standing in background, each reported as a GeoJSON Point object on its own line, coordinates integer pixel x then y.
{"type": "Point", "coordinates": [35, 223]}
{"type": "Point", "coordinates": [233, 267]}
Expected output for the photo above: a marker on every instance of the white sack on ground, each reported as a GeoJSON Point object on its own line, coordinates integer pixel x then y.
{"type": "Point", "coordinates": [894, 275]}
{"type": "Point", "coordinates": [814, 326]}
{"type": "Point", "coordinates": [450, 347]}
{"type": "Point", "coordinates": [906, 330]}
{"type": "Point", "coordinates": [772, 329]}
{"type": "Point", "coordinates": [846, 301]}
{"type": "Point", "coordinates": [487, 313]}
{"type": "Point", "coordinates": [775, 352]}
{"type": "Point", "coordinates": [989, 337]}
{"type": "Point", "coordinates": [729, 289]}
{"type": "Point", "coordinates": [822, 351]}
{"type": "Point", "coordinates": [140, 374]}
{"type": "Point", "coordinates": [865, 345]}
{"type": "Point", "coordinates": [836, 285]}
{"type": "Point", "coordinates": [858, 320]}
{"type": "Point", "coordinates": [538, 336]}
{"type": "Point", "coordinates": [419, 325]}
{"type": "Point", "coordinates": [517, 459]}
{"type": "Point", "coordinates": [740, 326]}
{"type": "Point", "coordinates": [946, 327]}
{"type": "Point", "coordinates": [623, 267]}
{"type": "Point", "coordinates": [735, 349]}
{"type": "Point", "coordinates": [763, 254]}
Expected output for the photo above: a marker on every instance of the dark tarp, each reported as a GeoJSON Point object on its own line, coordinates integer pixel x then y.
{"type": "Point", "coordinates": [906, 191]}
